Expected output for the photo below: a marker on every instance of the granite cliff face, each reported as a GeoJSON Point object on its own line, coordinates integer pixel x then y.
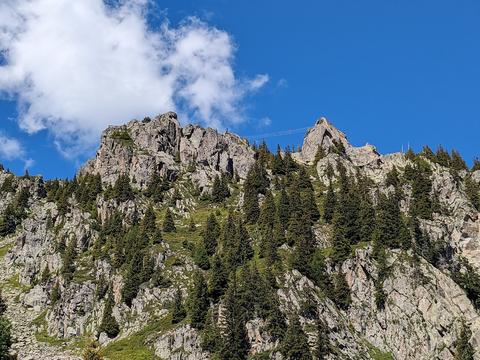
{"type": "Point", "coordinates": [55, 298]}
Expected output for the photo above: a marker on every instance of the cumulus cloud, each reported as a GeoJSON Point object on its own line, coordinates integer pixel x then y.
{"type": "Point", "coordinates": [10, 148]}
{"type": "Point", "coordinates": [75, 67]}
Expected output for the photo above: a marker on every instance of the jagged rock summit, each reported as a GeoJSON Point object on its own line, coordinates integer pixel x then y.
{"type": "Point", "coordinates": [160, 145]}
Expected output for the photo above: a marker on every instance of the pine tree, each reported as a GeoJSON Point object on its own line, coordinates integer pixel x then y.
{"type": "Point", "coordinates": [366, 219]}
{"type": "Point", "coordinates": [220, 190]}
{"type": "Point", "coordinates": [3, 304]}
{"type": "Point", "coordinates": [428, 153]}
{"type": "Point", "coordinates": [410, 154]}
{"type": "Point", "coordinates": [283, 208]}
{"type": "Point", "coordinates": [388, 223]}
{"type": "Point", "coordinates": [318, 270]}
{"type": "Point", "coordinates": [278, 166]}
{"type": "Point", "coordinates": [475, 166]}
{"type": "Point", "coordinates": [168, 223]}
{"type": "Point", "coordinates": [289, 163]}
{"type": "Point", "coordinates": [92, 351]}
{"type": "Point", "coordinates": [457, 163]}
{"type": "Point", "coordinates": [295, 343]}
{"type": "Point", "coordinates": [109, 325]}
{"type": "Point", "coordinates": [267, 211]}
{"type": "Point", "coordinates": [200, 256]}
{"type": "Point", "coordinates": [211, 337]}
{"type": "Point", "coordinates": [55, 294]}
{"type": "Point", "coordinates": [122, 190]}
{"type": "Point", "coordinates": [236, 345]}
{"type": "Point", "coordinates": [199, 303]}
{"type": "Point", "coordinates": [6, 339]}
{"type": "Point", "coordinates": [68, 268]}
{"type": "Point", "coordinates": [218, 278]}
{"type": "Point", "coordinates": [211, 234]}
{"type": "Point", "coordinates": [320, 154]}
{"type": "Point", "coordinates": [392, 178]}
{"type": "Point", "coordinates": [341, 291]}
{"type": "Point", "coordinates": [250, 205]}
{"type": "Point", "coordinates": [472, 190]}
{"type": "Point", "coordinates": [464, 350]}
{"type": "Point", "coordinates": [178, 310]}
{"type": "Point", "coordinates": [133, 279]}
{"type": "Point", "coordinates": [304, 247]}
{"type": "Point", "coordinates": [442, 157]}
{"type": "Point", "coordinates": [148, 225]}
{"type": "Point", "coordinates": [421, 192]}
{"type": "Point", "coordinates": [322, 345]}
{"type": "Point", "coordinates": [380, 295]}
{"type": "Point", "coordinates": [329, 204]}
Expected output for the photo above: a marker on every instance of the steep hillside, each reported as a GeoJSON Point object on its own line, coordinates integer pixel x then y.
{"type": "Point", "coordinates": [188, 244]}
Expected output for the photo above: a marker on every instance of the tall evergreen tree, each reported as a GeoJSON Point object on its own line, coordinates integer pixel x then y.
{"type": "Point", "coordinates": [322, 345]}
{"type": "Point", "coordinates": [341, 291]}
{"type": "Point", "coordinates": [329, 204]}
{"type": "Point", "coordinates": [168, 223]}
{"type": "Point", "coordinates": [250, 204]}
{"type": "Point", "coordinates": [278, 166]}
{"type": "Point", "coordinates": [388, 223]}
{"type": "Point", "coordinates": [366, 219]}
{"type": "Point", "coordinates": [267, 211]}
{"type": "Point", "coordinates": [421, 192]}
{"type": "Point", "coordinates": [109, 325]}
{"type": "Point", "coordinates": [3, 304]}
{"type": "Point", "coordinates": [199, 302]}
{"type": "Point", "coordinates": [68, 268]}
{"type": "Point", "coordinates": [218, 278]}
{"type": "Point", "coordinates": [457, 163]}
{"type": "Point", "coordinates": [464, 350]}
{"type": "Point", "coordinates": [236, 345]}
{"type": "Point", "coordinates": [220, 190]}
{"type": "Point", "coordinates": [472, 190]}
{"type": "Point", "coordinates": [178, 310]}
{"type": "Point", "coordinates": [211, 234]}
{"type": "Point", "coordinates": [442, 157]}
{"type": "Point", "coordinates": [122, 190]}
{"type": "Point", "coordinates": [283, 208]}
{"type": "Point", "coordinates": [295, 344]}
{"type": "Point", "coordinates": [148, 225]}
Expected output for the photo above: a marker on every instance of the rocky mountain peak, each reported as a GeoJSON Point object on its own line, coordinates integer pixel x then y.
{"type": "Point", "coordinates": [161, 146]}
{"type": "Point", "coordinates": [323, 134]}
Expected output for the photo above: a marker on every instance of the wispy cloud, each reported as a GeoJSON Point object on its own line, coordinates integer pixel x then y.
{"type": "Point", "coordinates": [76, 67]}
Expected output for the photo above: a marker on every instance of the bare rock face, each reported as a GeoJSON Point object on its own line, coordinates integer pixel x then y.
{"type": "Point", "coordinates": [182, 343]}
{"type": "Point", "coordinates": [323, 135]}
{"type": "Point", "coordinates": [422, 313]}
{"type": "Point", "coordinates": [141, 149]}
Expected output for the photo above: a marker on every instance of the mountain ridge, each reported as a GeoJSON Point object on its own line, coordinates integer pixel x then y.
{"type": "Point", "coordinates": [130, 238]}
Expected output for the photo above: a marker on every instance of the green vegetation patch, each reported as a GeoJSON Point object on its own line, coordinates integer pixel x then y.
{"type": "Point", "coordinates": [136, 346]}
{"type": "Point", "coordinates": [5, 249]}
{"type": "Point", "coordinates": [123, 136]}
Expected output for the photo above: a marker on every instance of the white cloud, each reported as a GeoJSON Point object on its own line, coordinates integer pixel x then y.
{"type": "Point", "coordinates": [77, 66]}
{"type": "Point", "coordinates": [264, 122]}
{"type": "Point", "coordinates": [10, 148]}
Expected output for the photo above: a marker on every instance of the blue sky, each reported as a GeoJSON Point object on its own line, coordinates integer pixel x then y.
{"type": "Point", "coordinates": [389, 73]}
